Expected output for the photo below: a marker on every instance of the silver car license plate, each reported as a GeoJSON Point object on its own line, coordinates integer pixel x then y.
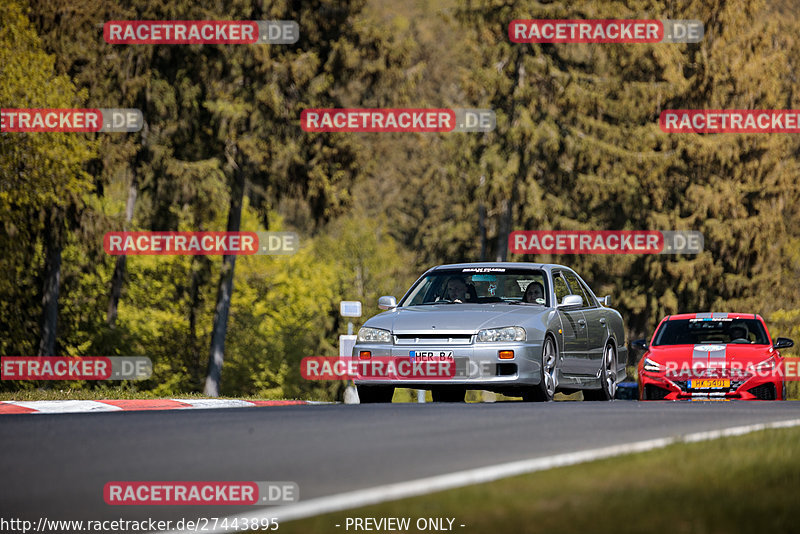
{"type": "Point", "coordinates": [431, 355]}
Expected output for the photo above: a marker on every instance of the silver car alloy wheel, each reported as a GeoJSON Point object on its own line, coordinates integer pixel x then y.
{"type": "Point", "coordinates": [549, 359]}
{"type": "Point", "coordinates": [610, 370]}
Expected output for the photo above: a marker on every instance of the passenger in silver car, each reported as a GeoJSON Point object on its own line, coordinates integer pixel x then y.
{"type": "Point", "coordinates": [534, 293]}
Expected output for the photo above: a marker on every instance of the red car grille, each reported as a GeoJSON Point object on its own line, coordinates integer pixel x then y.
{"type": "Point", "coordinates": [652, 392]}
{"type": "Point", "coordinates": [764, 392]}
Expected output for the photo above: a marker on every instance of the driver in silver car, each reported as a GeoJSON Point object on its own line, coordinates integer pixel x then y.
{"type": "Point", "coordinates": [455, 290]}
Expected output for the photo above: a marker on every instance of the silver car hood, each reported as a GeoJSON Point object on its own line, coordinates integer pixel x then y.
{"type": "Point", "coordinates": [455, 318]}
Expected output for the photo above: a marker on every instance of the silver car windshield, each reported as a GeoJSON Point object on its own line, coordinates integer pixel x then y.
{"type": "Point", "coordinates": [477, 286]}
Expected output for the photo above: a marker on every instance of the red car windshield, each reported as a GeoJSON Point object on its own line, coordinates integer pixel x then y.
{"type": "Point", "coordinates": [724, 331]}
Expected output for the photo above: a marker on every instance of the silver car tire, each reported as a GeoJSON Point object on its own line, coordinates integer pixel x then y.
{"type": "Point", "coordinates": [546, 389]}
{"type": "Point", "coordinates": [608, 377]}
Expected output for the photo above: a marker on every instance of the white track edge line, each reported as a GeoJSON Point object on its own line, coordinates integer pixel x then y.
{"type": "Point", "coordinates": [422, 486]}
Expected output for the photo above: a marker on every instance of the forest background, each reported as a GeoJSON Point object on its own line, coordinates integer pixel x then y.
{"type": "Point", "coordinates": [577, 147]}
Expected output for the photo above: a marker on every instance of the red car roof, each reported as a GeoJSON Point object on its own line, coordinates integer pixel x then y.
{"type": "Point", "coordinates": [714, 315]}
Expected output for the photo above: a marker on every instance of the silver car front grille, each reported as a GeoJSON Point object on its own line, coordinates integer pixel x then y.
{"type": "Point", "coordinates": [432, 339]}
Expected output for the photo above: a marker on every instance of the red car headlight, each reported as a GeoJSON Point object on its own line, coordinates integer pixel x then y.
{"type": "Point", "coordinates": [652, 366]}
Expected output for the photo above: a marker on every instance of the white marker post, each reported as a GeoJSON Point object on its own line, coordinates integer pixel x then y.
{"type": "Point", "coordinates": [349, 308]}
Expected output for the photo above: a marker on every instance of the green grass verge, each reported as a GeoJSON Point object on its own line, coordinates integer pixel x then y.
{"type": "Point", "coordinates": [747, 484]}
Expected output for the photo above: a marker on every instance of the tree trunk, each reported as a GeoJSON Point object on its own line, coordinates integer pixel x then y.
{"type": "Point", "coordinates": [507, 209]}
{"type": "Point", "coordinates": [52, 279]}
{"type": "Point", "coordinates": [200, 268]}
{"type": "Point", "coordinates": [503, 230]}
{"type": "Point", "coordinates": [225, 291]}
{"type": "Point", "coordinates": [118, 278]}
{"type": "Point", "coordinates": [482, 219]}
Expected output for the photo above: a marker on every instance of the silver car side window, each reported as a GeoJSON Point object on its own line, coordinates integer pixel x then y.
{"type": "Point", "coordinates": [592, 300]}
{"type": "Point", "coordinates": [577, 289]}
{"type": "Point", "coordinates": [560, 287]}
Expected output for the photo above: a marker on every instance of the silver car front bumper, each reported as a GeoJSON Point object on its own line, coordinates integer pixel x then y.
{"type": "Point", "coordinates": [476, 364]}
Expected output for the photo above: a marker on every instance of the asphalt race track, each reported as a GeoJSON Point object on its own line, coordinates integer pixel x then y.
{"type": "Point", "coordinates": [55, 466]}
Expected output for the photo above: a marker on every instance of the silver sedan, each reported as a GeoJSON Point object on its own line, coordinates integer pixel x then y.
{"type": "Point", "coordinates": [520, 329]}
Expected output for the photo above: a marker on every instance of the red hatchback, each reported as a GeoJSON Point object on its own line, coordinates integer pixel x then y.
{"type": "Point", "coordinates": [712, 356]}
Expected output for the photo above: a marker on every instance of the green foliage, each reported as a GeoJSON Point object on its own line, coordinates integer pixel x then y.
{"type": "Point", "coordinates": [40, 174]}
{"type": "Point", "coordinates": [577, 146]}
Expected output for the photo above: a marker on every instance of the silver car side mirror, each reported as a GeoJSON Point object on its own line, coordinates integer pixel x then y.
{"type": "Point", "coordinates": [605, 301]}
{"type": "Point", "coordinates": [571, 301]}
{"type": "Point", "coordinates": [387, 303]}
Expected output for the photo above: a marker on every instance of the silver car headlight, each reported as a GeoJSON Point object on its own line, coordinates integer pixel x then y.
{"type": "Point", "coordinates": [652, 366]}
{"type": "Point", "coordinates": [374, 335]}
{"type": "Point", "coordinates": [508, 333]}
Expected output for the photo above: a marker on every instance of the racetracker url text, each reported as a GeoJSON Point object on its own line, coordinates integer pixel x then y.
{"type": "Point", "coordinates": [199, 524]}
